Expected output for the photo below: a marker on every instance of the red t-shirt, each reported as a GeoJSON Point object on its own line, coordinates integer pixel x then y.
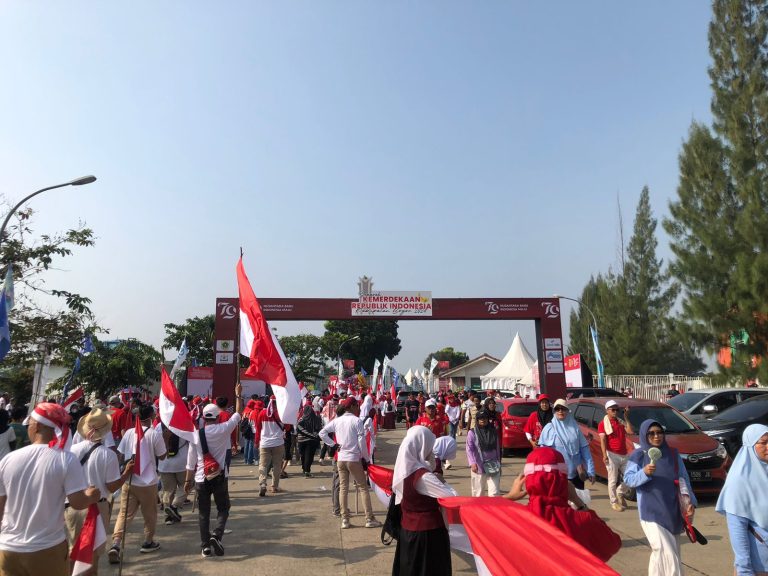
{"type": "Point", "coordinates": [437, 425]}
{"type": "Point", "coordinates": [617, 440]}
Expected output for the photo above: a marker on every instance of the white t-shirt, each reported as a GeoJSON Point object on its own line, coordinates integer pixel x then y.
{"type": "Point", "coordinates": [218, 438]}
{"type": "Point", "coordinates": [453, 413]}
{"type": "Point", "coordinates": [155, 447]}
{"type": "Point", "coordinates": [5, 442]}
{"type": "Point", "coordinates": [177, 463]}
{"type": "Point", "coordinates": [102, 465]}
{"type": "Point", "coordinates": [36, 479]}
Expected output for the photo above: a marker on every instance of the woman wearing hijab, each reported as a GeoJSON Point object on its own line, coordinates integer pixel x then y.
{"type": "Point", "coordinates": [743, 502]}
{"type": "Point", "coordinates": [545, 482]}
{"type": "Point", "coordinates": [308, 438]}
{"type": "Point", "coordinates": [484, 456]}
{"type": "Point", "coordinates": [444, 450]}
{"type": "Point", "coordinates": [453, 412]}
{"type": "Point", "coordinates": [564, 435]}
{"type": "Point", "coordinates": [423, 547]}
{"type": "Point", "coordinates": [495, 418]}
{"type": "Point", "coordinates": [537, 420]}
{"type": "Point", "coordinates": [663, 492]}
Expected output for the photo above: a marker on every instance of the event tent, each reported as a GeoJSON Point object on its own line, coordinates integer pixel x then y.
{"type": "Point", "coordinates": [515, 366]}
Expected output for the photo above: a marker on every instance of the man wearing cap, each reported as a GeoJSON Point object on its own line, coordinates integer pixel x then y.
{"type": "Point", "coordinates": [352, 459]}
{"type": "Point", "coordinates": [431, 420]}
{"type": "Point", "coordinates": [613, 442]}
{"type": "Point", "coordinates": [101, 471]}
{"type": "Point", "coordinates": [141, 491]}
{"type": "Point", "coordinates": [34, 482]}
{"type": "Point", "coordinates": [216, 437]}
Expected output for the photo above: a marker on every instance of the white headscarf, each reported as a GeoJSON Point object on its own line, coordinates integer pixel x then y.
{"type": "Point", "coordinates": [414, 453]}
{"type": "Point", "coordinates": [445, 448]}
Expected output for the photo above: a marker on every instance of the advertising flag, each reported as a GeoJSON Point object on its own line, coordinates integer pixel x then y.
{"type": "Point", "coordinates": [180, 357]}
{"type": "Point", "coordinates": [598, 358]}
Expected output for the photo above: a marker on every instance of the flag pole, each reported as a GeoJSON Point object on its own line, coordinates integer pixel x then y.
{"type": "Point", "coordinates": [125, 517]}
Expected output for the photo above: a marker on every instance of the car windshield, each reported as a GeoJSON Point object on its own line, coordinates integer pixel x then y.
{"type": "Point", "coordinates": [521, 410]}
{"type": "Point", "coordinates": [673, 422]}
{"type": "Point", "coordinates": [746, 410]}
{"type": "Point", "coordinates": [684, 401]}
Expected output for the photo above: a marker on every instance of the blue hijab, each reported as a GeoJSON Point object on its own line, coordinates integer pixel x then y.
{"type": "Point", "coordinates": [566, 432]}
{"type": "Point", "coordinates": [658, 498]}
{"type": "Point", "coordinates": [745, 489]}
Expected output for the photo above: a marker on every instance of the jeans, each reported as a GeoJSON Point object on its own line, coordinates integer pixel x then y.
{"type": "Point", "coordinates": [335, 490]}
{"type": "Point", "coordinates": [248, 451]}
{"type": "Point", "coordinates": [452, 429]}
{"type": "Point", "coordinates": [325, 449]}
{"type": "Point", "coordinates": [219, 490]}
{"type": "Point", "coordinates": [307, 451]}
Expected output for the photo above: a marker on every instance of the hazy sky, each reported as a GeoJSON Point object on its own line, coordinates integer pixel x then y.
{"type": "Point", "coordinates": [468, 148]}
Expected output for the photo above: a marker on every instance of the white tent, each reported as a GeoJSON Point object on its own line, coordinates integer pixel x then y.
{"type": "Point", "coordinates": [515, 366]}
{"type": "Point", "coordinates": [409, 377]}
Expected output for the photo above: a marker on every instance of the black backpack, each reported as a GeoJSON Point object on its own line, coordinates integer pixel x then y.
{"type": "Point", "coordinates": [245, 428]}
{"type": "Point", "coordinates": [391, 528]}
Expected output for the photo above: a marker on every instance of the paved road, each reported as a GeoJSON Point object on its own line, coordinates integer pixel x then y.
{"type": "Point", "coordinates": [294, 533]}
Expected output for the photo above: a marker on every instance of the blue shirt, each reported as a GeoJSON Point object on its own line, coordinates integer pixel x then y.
{"type": "Point", "coordinates": [751, 556]}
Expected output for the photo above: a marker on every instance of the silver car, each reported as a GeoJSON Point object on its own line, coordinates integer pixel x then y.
{"type": "Point", "coordinates": [699, 405]}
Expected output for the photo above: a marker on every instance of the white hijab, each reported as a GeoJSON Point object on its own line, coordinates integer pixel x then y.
{"type": "Point", "coordinates": [414, 453]}
{"type": "Point", "coordinates": [445, 448]}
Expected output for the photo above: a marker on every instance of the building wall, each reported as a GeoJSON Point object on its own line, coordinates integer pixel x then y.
{"type": "Point", "coordinates": [477, 370]}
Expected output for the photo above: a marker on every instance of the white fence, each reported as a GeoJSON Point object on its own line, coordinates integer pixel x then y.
{"type": "Point", "coordinates": [654, 387]}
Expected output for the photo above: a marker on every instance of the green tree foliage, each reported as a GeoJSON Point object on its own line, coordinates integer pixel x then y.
{"type": "Point", "coordinates": [377, 338]}
{"type": "Point", "coordinates": [638, 331]}
{"type": "Point", "coordinates": [453, 356]}
{"type": "Point", "coordinates": [719, 222]}
{"type": "Point", "coordinates": [305, 353]}
{"type": "Point", "coordinates": [199, 334]}
{"type": "Point", "coordinates": [112, 366]}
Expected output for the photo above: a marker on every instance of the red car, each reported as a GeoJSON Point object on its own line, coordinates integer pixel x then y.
{"type": "Point", "coordinates": [513, 417]}
{"type": "Point", "coordinates": [706, 460]}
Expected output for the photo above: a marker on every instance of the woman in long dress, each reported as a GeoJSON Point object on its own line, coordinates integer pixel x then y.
{"type": "Point", "coordinates": [423, 547]}
{"type": "Point", "coordinates": [663, 494]}
{"type": "Point", "coordinates": [743, 502]}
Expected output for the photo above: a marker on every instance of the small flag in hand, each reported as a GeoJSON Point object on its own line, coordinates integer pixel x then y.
{"type": "Point", "coordinates": [91, 537]}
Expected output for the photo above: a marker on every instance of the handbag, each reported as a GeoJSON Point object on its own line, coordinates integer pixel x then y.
{"type": "Point", "coordinates": [211, 468]}
{"type": "Point", "coordinates": [492, 466]}
{"type": "Point", "coordinates": [690, 530]}
{"type": "Point", "coordinates": [390, 530]}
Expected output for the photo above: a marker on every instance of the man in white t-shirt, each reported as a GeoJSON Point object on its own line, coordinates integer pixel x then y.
{"type": "Point", "coordinates": [102, 471]}
{"type": "Point", "coordinates": [34, 482]}
{"type": "Point", "coordinates": [172, 474]}
{"type": "Point", "coordinates": [217, 438]}
{"type": "Point", "coordinates": [141, 491]}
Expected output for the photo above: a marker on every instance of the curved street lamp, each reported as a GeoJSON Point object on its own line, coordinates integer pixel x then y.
{"type": "Point", "coordinates": [598, 360]}
{"type": "Point", "coordinates": [76, 182]}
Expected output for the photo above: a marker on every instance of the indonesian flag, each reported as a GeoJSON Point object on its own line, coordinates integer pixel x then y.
{"type": "Point", "coordinates": [91, 537]}
{"type": "Point", "coordinates": [268, 361]}
{"type": "Point", "coordinates": [303, 389]}
{"type": "Point", "coordinates": [173, 412]}
{"type": "Point", "coordinates": [140, 450]}
{"type": "Point", "coordinates": [380, 479]}
{"type": "Point", "coordinates": [76, 395]}
{"type": "Point", "coordinates": [393, 393]}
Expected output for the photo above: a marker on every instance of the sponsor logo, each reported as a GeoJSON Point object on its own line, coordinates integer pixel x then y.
{"type": "Point", "coordinates": [493, 308]}
{"type": "Point", "coordinates": [553, 355]}
{"type": "Point", "coordinates": [227, 310]}
{"type": "Point", "coordinates": [551, 310]}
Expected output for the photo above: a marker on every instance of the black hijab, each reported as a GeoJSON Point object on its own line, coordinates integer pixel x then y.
{"type": "Point", "coordinates": [486, 435]}
{"type": "Point", "coordinates": [545, 416]}
{"type": "Point", "coordinates": [310, 421]}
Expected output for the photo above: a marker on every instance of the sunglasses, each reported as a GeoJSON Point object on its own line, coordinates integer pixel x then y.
{"type": "Point", "coordinates": [656, 433]}
{"type": "Point", "coordinates": [561, 409]}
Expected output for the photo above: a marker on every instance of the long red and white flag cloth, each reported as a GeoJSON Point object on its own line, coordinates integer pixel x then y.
{"type": "Point", "coordinates": [76, 395]}
{"type": "Point", "coordinates": [173, 411]}
{"type": "Point", "coordinates": [141, 457]}
{"type": "Point", "coordinates": [260, 344]}
{"type": "Point", "coordinates": [505, 550]}
{"type": "Point", "coordinates": [92, 535]}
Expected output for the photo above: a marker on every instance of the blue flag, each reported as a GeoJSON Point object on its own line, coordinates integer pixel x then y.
{"type": "Point", "coordinates": [86, 347]}
{"type": "Point", "coordinates": [598, 359]}
{"type": "Point", "coordinates": [5, 329]}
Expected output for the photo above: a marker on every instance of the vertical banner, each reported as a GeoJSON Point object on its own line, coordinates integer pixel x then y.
{"type": "Point", "coordinates": [225, 353]}
{"type": "Point", "coordinates": [598, 359]}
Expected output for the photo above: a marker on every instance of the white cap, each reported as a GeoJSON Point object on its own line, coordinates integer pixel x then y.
{"type": "Point", "coordinates": [211, 412]}
{"type": "Point", "coordinates": [611, 403]}
{"type": "Point", "coordinates": [429, 403]}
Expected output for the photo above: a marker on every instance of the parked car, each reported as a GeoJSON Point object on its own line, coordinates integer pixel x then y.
{"type": "Point", "coordinates": [514, 415]}
{"type": "Point", "coordinates": [592, 393]}
{"type": "Point", "coordinates": [402, 396]}
{"type": "Point", "coordinates": [706, 459]}
{"type": "Point", "coordinates": [728, 425]}
{"type": "Point", "coordinates": [699, 405]}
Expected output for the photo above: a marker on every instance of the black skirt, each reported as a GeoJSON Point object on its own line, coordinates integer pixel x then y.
{"type": "Point", "coordinates": [424, 553]}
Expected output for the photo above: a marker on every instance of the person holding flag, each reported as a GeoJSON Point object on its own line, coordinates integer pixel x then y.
{"type": "Point", "coordinates": [145, 445]}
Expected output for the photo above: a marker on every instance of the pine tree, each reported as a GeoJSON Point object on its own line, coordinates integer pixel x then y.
{"type": "Point", "coordinates": [719, 222]}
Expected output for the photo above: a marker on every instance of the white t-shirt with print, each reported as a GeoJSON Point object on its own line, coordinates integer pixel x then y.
{"type": "Point", "coordinates": [101, 467]}
{"type": "Point", "coordinates": [217, 436]}
{"type": "Point", "coordinates": [36, 479]}
{"type": "Point", "coordinates": [156, 448]}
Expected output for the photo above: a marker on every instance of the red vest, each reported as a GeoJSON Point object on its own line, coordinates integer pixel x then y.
{"type": "Point", "coordinates": [419, 512]}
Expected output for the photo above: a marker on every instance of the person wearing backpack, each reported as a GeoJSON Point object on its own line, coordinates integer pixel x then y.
{"type": "Point", "coordinates": [172, 474]}
{"type": "Point", "coordinates": [207, 470]}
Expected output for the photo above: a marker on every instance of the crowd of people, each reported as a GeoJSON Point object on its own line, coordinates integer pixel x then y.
{"type": "Point", "coordinates": [55, 463]}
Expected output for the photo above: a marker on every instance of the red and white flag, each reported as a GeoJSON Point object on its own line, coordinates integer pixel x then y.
{"type": "Point", "coordinates": [173, 411]}
{"type": "Point", "coordinates": [381, 481]}
{"type": "Point", "coordinates": [76, 395]}
{"type": "Point", "coordinates": [303, 389]}
{"type": "Point", "coordinates": [393, 393]}
{"type": "Point", "coordinates": [260, 344]}
{"type": "Point", "coordinates": [140, 451]}
{"type": "Point", "coordinates": [91, 537]}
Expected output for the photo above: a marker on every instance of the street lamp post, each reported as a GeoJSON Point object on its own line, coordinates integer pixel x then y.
{"type": "Point", "coordinates": [76, 182]}
{"type": "Point", "coordinates": [338, 354]}
{"type": "Point", "coordinates": [598, 360]}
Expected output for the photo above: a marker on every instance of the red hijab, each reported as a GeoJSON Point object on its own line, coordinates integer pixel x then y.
{"type": "Point", "coordinates": [546, 482]}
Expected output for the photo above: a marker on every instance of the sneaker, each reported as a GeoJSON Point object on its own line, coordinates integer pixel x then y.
{"type": "Point", "coordinates": [263, 491]}
{"type": "Point", "coordinates": [617, 507]}
{"type": "Point", "coordinates": [114, 554]}
{"type": "Point", "coordinates": [623, 502]}
{"type": "Point", "coordinates": [217, 546]}
{"type": "Point", "coordinates": [337, 514]}
{"type": "Point", "coordinates": [207, 553]}
{"type": "Point", "coordinates": [447, 466]}
{"type": "Point", "coordinates": [227, 530]}
{"type": "Point", "coordinates": [173, 513]}
{"type": "Point", "coordinates": [169, 521]}
{"type": "Point", "coordinates": [345, 524]}
{"type": "Point", "coordinates": [148, 547]}
{"type": "Point", "coordinates": [373, 524]}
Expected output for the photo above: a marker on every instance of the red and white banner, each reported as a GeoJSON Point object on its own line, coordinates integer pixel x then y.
{"type": "Point", "coordinates": [92, 535]}
{"type": "Point", "coordinates": [173, 411]}
{"type": "Point", "coordinates": [76, 395]}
